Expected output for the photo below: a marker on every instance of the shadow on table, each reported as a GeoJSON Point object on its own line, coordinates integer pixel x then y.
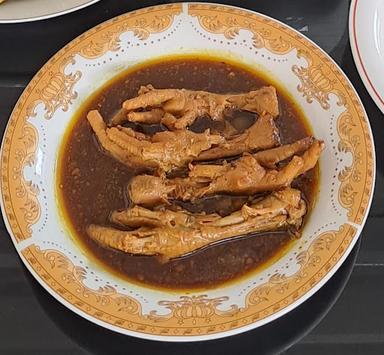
{"type": "Point", "coordinates": [271, 338]}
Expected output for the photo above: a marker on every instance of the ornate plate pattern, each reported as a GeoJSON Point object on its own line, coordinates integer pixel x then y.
{"type": "Point", "coordinates": [32, 139]}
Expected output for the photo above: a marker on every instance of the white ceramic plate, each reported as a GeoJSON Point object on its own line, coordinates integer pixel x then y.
{"type": "Point", "coordinates": [12, 11]}
{"type": "Point", "coordinates": [43, 112]}
{"type": "Point", "coordinates": [366, 33]}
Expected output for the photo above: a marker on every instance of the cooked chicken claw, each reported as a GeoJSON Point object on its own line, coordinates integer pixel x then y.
{"type": "Point", "coordinates": [174, 234]}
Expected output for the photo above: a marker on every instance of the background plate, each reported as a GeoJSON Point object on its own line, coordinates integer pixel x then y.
{"type": "Point", "coordinates": [366, 33]}
{"type": "Point", "coordinates": [32, 10]}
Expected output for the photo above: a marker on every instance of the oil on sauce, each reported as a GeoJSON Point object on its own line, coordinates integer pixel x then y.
{"type": "Point", "coordinates": [90, 184]}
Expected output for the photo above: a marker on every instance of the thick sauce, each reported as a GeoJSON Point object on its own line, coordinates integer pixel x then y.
{"type": "Point", "coordinates": [91, 184]}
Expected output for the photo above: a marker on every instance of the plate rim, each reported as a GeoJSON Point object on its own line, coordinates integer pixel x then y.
{"type": "Point", "coordinates": [48, 16]}
{"type": "Point", "coordinates": [240, 329]}
{"type": "Point", "coordinates": [357, 57]}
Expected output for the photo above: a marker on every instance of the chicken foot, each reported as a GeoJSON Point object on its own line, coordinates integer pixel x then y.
{"type": "Point", "coordinates": [179, 108]}
{"type": "Point", "coordinates": [163, 151]}
{"type": "Point", "coordinates": [175, 234]}
{"type": "Point", "coordinates": [248, 175]}
{"type": "Point", "coordinates": [263, 134]}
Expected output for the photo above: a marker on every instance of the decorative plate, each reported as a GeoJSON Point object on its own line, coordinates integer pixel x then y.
{"type": "Point", "coordinates": [366, 33]}
{"type": "Point", "coordinates": [12, 11]}
{"type": "Point", "coordinates": [40, 117]}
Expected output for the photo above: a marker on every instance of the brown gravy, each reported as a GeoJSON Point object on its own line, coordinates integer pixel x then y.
{"type": "Point", "coordinates": [90, 184]}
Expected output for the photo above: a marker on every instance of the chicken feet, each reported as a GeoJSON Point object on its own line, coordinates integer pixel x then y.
{"type": "Point", "coordinates": [179, 108]}
{"type": "Point", "coordinates": [175, 234]}
{"type": "Point", "coordinates": [163, 151]}
{"type": "Point", "coordinates": [248, 175]}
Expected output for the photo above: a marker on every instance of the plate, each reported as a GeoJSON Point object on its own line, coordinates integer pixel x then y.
{"type": "Point", "coordinates": [366, 33]}
{"type": "Point", "coordinates": [40, 117]}
{"type": "Point", "coordinates": [13, 11]}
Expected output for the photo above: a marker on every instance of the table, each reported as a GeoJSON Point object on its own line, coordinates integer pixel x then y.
{"type": "Point", "coordinates": [338, 319]}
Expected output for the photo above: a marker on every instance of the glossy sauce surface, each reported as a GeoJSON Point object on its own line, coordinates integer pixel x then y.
{"type": "Point", "coordinates": [91, 184]}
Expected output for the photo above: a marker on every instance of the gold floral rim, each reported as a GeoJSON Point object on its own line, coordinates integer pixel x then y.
{"type": "Point", "coordinates": [190, 315]}
{"type": "Point", "coordinates": [196, 315]}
